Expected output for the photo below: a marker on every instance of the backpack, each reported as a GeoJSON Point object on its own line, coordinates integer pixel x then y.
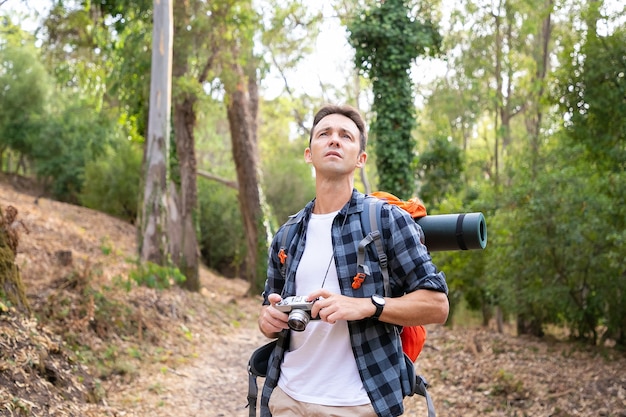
{"type": "Point", "coordinates": [413, 337]}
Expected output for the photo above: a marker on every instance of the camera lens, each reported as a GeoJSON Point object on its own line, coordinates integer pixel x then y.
{"type": "Point", "coordinates": [298, 319]}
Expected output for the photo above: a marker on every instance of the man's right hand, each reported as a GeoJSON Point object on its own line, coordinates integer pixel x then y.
{"type": "Point", "coordinates": [272, 320]}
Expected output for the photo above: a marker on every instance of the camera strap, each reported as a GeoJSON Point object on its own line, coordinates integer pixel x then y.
{"type": "Point", "coordinates": [332, 255]}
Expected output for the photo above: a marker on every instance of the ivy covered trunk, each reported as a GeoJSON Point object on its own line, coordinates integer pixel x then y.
{"type": "Point", "coordinates": [387, 39]}
{"type": "Point", "coordinates": [11, 286]}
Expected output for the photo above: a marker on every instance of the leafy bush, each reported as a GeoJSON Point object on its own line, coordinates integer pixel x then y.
{"type": "Point", "coordinates": [221, 234]}
{"type": "Point", "coordinates": [155, 276]}
{"type": "Point", "coordinates": [112, 182]}
{"type": "Point", "coordinates": [70, 139]}
{"type": "Point", "coordinates": [288, 185]}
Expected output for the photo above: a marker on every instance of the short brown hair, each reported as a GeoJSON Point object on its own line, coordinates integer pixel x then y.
{"type": "Point", "coordinates": [344, 110]}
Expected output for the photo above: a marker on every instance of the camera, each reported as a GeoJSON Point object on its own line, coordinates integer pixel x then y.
{"type": "Point", "coordinates": [299, 310]}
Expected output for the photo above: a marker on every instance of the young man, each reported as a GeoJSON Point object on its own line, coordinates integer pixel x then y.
{"type": "Point", "coordinates": [350, 361]}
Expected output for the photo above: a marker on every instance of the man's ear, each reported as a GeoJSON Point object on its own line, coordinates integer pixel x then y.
{"type": "Point", "coordinates": [361, 159]}
{"type": "Point", "coordinates": [307, 156]}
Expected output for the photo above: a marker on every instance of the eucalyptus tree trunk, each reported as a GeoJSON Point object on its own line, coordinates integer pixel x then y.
{"type": "Point", "coordinates": [153, 243]}
{"type": "Point", "coordinates": [242, 109]}
{"type": "Point", "coordinates": [183, 239]}
{"type": "Point", "coordinates": [182, 231]}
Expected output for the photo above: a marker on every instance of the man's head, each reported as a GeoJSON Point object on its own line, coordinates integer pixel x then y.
{"type": "Point", "coordinates": [337, 142]}
{"type": "Point", "coordinates": [347, 111]}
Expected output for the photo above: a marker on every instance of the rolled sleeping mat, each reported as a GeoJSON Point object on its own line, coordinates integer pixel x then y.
{"type": "Point", "coordinates": [463, 231]}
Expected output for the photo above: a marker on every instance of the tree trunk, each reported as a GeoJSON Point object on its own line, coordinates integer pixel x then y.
{"type": "Point", "coordinates": [183, 241]}
{"type": "Point", "coordinates": [541, 55]}
{"type": "Point", "coordinates": [242, 111]}
{"type": "Point", "coordinates": [11, 285]}
{"type": "Point", "coordinates": [153, 245]}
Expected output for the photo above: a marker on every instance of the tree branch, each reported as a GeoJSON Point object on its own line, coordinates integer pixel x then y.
{"type": "Point", "coordinates": [228, 183]}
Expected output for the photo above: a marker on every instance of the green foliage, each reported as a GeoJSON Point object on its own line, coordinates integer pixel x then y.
{"type": "Point", "coordinates": [557, 242]}
{"type": "Point", "coordinates": [505, 384]}
{"type": "Point", "coordinates": [288, 182]}
{"type": "Point", "coordinates": [288, 185]}
{"type": "Point", "coordinates": [440, 170]}
{"type": "Point", "coordinates": [222, 238]}
{"type": "Point", "coordinates": [69, 139]}
{"type": "Point", "coordinates": [387, 39]}
{"type": "Point", "coordinates": [129, 78]}
{"type": "Point", "coordinates": [112, 182]}
{"type": "Point", "coordinates": [590, 90]}
{"type": "Point", "coordinates": [24, 92]}
{"type": "Point", "coordinates": [290, 32]}
{"type": "Point", "coordinates": [155, 276]}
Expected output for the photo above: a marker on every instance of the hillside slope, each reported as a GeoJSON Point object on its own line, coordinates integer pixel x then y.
{"type": "Point", "coordinates": [168, 353]}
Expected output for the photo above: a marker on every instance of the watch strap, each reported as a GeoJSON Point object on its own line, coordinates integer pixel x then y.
{"type": "Point", "coordinates": [379, 308]}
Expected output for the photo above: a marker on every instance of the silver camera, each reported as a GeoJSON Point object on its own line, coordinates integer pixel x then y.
{"type": "Point", "coordinates": [299, 310]}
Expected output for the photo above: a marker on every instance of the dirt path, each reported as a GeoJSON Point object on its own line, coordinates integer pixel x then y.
{"type": "Point", "coordinates": [213, 385]}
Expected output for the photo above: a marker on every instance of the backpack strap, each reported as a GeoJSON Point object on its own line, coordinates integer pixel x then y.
{"type": "Point", "coordinates": [257, 366]}
{"type": "Point", "coordinates": [370, 221]}
{"type": "Point", "coordinates": [421, 388]}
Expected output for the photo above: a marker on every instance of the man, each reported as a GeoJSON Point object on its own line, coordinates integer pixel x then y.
{"type": "Point", "coordinates": [350, 361]}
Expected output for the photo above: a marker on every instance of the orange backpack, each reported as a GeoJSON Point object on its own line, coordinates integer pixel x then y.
{"type": "Point", "coordinates": [413, 337]}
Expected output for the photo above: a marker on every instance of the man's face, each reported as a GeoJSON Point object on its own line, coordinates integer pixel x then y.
{"type": "Point", "coordinates": [335, 146]}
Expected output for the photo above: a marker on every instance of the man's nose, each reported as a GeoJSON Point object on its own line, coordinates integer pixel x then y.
{"type": "Point", "coordinates": [334, 139]}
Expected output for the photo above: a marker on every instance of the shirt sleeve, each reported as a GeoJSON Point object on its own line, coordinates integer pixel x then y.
{"type": "Point", "coordinates": [410, 264]}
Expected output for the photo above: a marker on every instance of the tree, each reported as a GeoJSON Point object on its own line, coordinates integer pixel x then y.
{"type": "Point", "coordinates": [11, 286]}
{"type": "Point", "coordinates": [387, 38]}
{"type": "Point", "coordinates": [242, 106]}
{"type": "Point", "coordinates": [590, 94]}
{"type": "Point", "coordinates": [440, 171]}
{"type": "Point", "coordinates": [154, 219]}
{"type": "Point", "coordinates": [182, 231]}
{"type": "Point", "coordinates": [24, 94]}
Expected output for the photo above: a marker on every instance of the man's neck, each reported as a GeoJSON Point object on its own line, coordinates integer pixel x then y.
{"type": "Point", "coordinates": [331, 197]}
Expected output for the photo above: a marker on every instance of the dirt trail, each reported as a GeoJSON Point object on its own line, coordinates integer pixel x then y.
{"type": "Point", "coordinates": [213, 385]}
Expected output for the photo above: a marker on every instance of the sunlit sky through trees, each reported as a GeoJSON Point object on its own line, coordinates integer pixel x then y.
{"type": "Point", "coordinates": [331, 62]}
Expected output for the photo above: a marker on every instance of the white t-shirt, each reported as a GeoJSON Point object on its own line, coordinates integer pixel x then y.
{"type": "Point", "coordinates": [319, 366]}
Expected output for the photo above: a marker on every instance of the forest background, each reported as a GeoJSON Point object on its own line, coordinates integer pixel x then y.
{"type": "Point", "coordinates": [525, 124]}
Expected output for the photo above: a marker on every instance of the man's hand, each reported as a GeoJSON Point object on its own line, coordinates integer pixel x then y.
{"type": "Point", "coordinates": [272, 320]}
{"type": "Point", "coordinates": [332, 307]}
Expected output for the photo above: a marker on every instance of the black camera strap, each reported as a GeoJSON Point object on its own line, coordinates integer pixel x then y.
{"type": "Point", "coordinates": [332, 255]}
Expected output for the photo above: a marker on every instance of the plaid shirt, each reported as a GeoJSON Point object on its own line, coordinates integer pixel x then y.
{"type": "Point", "coordinates": [376, 345]}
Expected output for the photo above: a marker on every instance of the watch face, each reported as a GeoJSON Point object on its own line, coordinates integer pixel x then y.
{"type": "Point", "coordinates": [378, 299]}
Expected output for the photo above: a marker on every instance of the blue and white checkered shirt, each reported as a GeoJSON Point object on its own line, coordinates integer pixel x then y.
{"type": "Point", "coordinates": [376, 345]}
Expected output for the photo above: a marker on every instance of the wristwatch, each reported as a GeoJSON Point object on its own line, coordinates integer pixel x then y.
{"type": "Point", "coordinates": [379, 302]}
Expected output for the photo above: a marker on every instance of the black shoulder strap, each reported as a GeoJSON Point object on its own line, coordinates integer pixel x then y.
{"type": "Point", "coordinates": [257, 366]}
